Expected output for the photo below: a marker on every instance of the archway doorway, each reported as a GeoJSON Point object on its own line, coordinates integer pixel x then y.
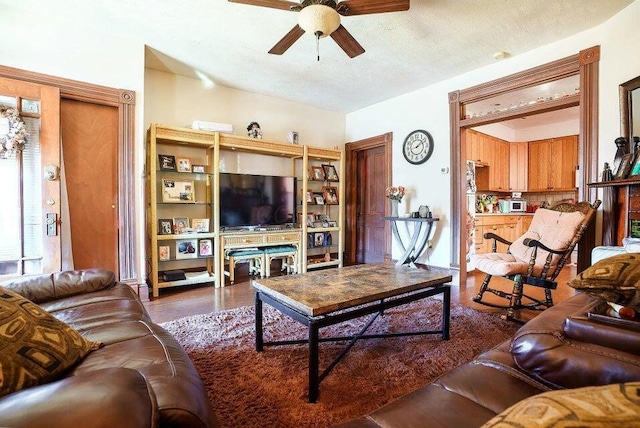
{"type": "Point", "coordinates": [585, 66]}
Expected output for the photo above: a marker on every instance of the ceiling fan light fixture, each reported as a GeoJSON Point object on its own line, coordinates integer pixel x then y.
{"type": "Point", "coordinates": [319, 20]}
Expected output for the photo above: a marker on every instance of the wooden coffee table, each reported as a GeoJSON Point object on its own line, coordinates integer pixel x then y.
{"type": "Point", "coordinates": [322, 298]}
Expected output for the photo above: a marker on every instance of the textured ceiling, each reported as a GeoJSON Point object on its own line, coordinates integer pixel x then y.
{"type": "Point", "coordinates": [432, 41]}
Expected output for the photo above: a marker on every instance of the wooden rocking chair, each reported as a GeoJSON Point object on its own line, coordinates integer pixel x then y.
{"type": "Point", "coordinates": [536, 258]}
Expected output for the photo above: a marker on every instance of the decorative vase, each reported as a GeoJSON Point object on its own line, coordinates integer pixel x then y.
{"type": "Point", "coordinates": [394, 208]}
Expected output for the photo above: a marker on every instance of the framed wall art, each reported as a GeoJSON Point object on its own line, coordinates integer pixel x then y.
{"type": "Point", "coordinates": [164, 253]}
{"type": "Point", "coordinates": [178, 191]}
{"type": "Point", "coordinates": [167, 162]}
{"type": "Point", "coordinates": [180, 224]}
{"type": "Point", "coordinates": [200, 224]}
{"type": "Point", "coordinates": [199, 169]}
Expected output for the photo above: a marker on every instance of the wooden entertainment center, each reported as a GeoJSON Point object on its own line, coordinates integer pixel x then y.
{"type": "Point", "coordinates": [620, 206]}
{"type": "Point", "coordinates": [183, 186]}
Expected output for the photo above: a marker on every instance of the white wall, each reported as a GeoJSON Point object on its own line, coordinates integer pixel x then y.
{"type": "Point", "coordinates": [428, 108]}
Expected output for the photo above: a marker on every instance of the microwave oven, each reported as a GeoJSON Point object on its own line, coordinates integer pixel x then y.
{"type": "Point", "coordinates": [517, 205]}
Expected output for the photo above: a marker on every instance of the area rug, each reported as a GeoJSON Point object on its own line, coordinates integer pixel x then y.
{"type": "Point", "coordinates": [270, 389]}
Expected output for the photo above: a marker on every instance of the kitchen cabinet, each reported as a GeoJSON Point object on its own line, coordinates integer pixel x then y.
{"type": "Point", "coordinates": [518, 166]}
{"type": "Point", "coordinates": [509, 227]}
{"type": "Point", "coordinates": [491, 155]}
{"type": "Point", "coordinates": [498, 170]}
{"type": "Point", "coordinates": [552, 164]}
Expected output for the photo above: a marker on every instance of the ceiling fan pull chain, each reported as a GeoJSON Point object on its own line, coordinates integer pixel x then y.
{"type": "Point", "coordinates": [318, 34]}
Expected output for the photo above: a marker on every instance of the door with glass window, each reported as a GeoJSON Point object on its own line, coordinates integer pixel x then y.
{"type": "Point", "coordinates": [30, 241]}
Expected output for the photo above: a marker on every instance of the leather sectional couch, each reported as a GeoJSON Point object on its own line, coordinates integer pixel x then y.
{"type": "Point", "coordinates": [141, 377]}
{"type": "Point", "coordinates": [559, 349]}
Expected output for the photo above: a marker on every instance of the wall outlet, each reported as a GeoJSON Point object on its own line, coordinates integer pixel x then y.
{"type": "Point", "coordinates": [444, 170]}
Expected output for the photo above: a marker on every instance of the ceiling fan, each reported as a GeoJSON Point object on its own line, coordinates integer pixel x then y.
{"type": "Point", "coordinates": [322, 18]}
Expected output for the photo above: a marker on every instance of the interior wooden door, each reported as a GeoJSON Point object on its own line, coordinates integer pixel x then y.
{"type": "Point", "coordinates": [90, 153]}
{"type": "Point", "coordinates": [42, 119]}
{"type": "Point", "coordinates": [371, 235]}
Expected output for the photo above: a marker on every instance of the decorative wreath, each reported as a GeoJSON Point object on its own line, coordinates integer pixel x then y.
{"type": "Point", "coordinates": [13, 132]}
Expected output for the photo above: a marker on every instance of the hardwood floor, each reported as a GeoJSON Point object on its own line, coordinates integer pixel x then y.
{"type": "Point", "coordinates": [185, 301]}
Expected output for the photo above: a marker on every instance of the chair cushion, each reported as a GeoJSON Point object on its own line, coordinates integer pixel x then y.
{"type": "Point", "coordinates": [615, 279]}
{"type": "Point", "coordinates": [589, 407]}
{"type": "Point", "coordinates": [280, 249]}
{"type": "Point", "coordinates": [554, 229]}
{"type": "Point", "coordinates": [499, 264]}
{"type": "Point", "coordinates": [35, 347]}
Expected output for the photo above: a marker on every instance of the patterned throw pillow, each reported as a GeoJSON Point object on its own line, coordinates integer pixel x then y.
{"type": "Point", "coordinates": [616, 405]}
{"type": "Point", "coordinates": [614, 279]}
{"type": "Point", "coordinates": [35, 347]}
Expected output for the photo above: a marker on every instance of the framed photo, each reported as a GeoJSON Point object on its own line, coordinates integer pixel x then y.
{"type": "Point", "coordinates": [328, 239]}
{"type": "Point", "coordinates": [180, 224]}
{"type": "Point", "coordinates": [332, 223]}
{"type": "Point", "coordinates": [635, 167]}
{"type": "Point", "coordinates": [205, 247]}
{"type": "Point", "coordinates": [167, 162]}
{"type": "Point", "coordinates": [624, 167]}
{"type": "Point", "coordinates": [310, 197]}
{"type": "Point", "coordinates": [200, 224]}
{"type": "Point", "coordinates": [178, 191]}
{"type": "Point", "coordinates": [200, 169]}
{"type": "Point", "coordinates": [318, 198]}
{"type": "Point", "coordinates": [309, 240]}
{"type": "Point", "coordinates": [317, 173]}
{"type": "Point", "coordinates": [330, 195]}
{"type": "Point", "coordinates": [184, 165]}
{"type": "Point", "coordinates": [330, 173]}
{"type": "Point", "coordinates": [164, 253]}
{"type": "Point", "coordinates": [310, 220]}
{"type": "Point", "coordinates": [165, 226]}
{"type": "Point", "coordinates": [318, 239]}
{"type": "Point", "coordinates": [186, 249]}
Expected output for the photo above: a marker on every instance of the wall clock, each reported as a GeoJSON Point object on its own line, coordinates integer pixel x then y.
{"type": "Point", "coordinates": [417, 147]}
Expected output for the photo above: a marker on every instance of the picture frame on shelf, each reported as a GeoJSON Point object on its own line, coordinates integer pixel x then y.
{"type": "Point", "coordinates": [167, 162]}
{"type": "Point", "coordinates": [318, 239]}
{"type": "Point", "coordinates": [328, 239]}
{"type": "Point", "coordinates": [317, 173]}
{"type": "Point", "coordinates": [331, 223]}
{"type": "Point", "coordinates": [186, 249]}
{"type": "Point", "coordinates": [199, 169]}
{"type": "Point", "coordinates": [184, 165]}
{"type": "Point", "coordinates": [310, 199]}
{"type": "Point", "coordinates": [180, 224]}
{"type": "Point", "coordinates": [310, 220]}
{"type": "Point", "coordinates": [330, 172]}
{"type": "Point", "coordinates": [178, 191]}
{"type": "Point", "coordinates": [309, 240]}
{"type": "Point", "coordinates": [165, 226]}
{"type": "Point", "coordinates": [205, 247]}
{"type": "Point", "coordinates": [330, 195]}
{"type": "Point", "coordinates": [164, 253]}
{"type": "Point", "coordinates": [319, 198]}
{"type": "Point", "coordinates": [200, 224]}
{"type": "Point", "coordinates": [623, 167]}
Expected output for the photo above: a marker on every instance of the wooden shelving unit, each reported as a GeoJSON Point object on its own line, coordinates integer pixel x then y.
{"type": "Point", "coordinates": [204, 147]}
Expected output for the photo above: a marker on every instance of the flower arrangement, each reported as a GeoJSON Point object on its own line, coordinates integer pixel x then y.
{"type": "Point", "coordinates": [13, 132]}
{"type": "Point", "coordinates": [395, 193]}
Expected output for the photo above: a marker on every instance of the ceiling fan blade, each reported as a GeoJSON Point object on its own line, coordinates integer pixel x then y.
{"type": "Point", "coordinates": [274, 4]}
{"type": "Point", "coordinates": [289, 39]}
{"type": "Point", "coordinates": [345, 40]}
{"type": "Point", "coordinates": [365, 7]}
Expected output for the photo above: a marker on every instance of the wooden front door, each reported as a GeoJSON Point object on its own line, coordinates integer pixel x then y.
{"type": "Point", "coordinates": [368, 175]}
{"type": "Point", "coordinates": [31, 197]}
{"type": "Point", "coordinates": [90, 153]}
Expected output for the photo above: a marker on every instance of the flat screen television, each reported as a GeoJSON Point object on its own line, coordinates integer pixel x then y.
{"type": "Point", "coordinates": [256, 200]}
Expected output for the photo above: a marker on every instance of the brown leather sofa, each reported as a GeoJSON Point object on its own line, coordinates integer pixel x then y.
{"type": "Point", "coordinates": [141, 377]}
{"type": "Point", "coordinates": [558, 349]}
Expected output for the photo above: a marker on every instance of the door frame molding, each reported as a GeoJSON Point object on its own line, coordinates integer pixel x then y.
{"type": "Point", "coordinates": [586, 65]}
{"type": "Point", "coordinates": [351, 176]}
{"type": "Point", "coordinates": [124, 101]}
